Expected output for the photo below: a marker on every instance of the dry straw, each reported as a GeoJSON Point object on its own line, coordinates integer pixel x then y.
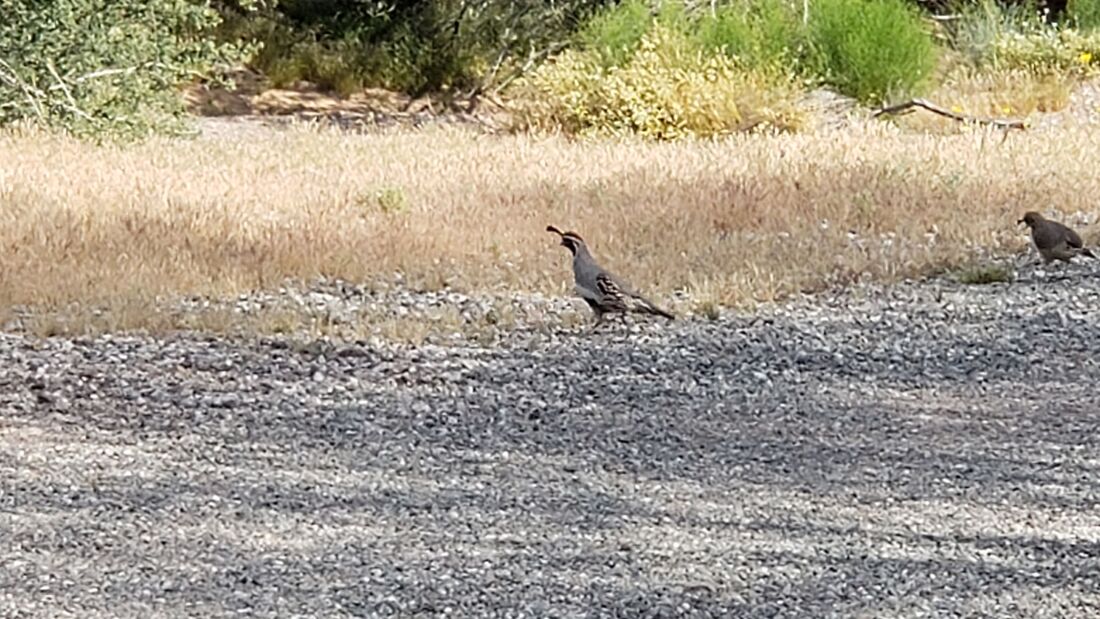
{"type": "Point", "coordinates": [735, 222]}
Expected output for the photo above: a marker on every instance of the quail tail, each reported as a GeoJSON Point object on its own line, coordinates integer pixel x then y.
{"type": "Point", "coordinates": [647, 306]}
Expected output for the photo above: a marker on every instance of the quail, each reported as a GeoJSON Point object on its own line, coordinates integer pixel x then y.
{"type": "Point", "coordinates": [604, 292]}
{"type": "Point", "coordinates": [1054, 241]}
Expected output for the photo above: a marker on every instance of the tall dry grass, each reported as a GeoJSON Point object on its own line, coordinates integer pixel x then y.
{"type": "Point", "coordinates": [733, 222]}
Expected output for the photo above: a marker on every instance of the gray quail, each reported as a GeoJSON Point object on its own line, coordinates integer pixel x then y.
{"type": "Point", "coordinates": [601, 290]}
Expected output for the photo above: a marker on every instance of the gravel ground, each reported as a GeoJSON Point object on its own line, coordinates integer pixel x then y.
{"type": "Point", "coordinates": [922, 450]}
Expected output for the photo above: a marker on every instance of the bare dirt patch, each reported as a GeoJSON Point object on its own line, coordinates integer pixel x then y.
{"type": "Point", "coordinates": [253, 99]}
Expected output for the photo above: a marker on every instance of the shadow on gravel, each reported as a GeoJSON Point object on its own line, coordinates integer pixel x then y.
{"type": "Point", "coordinates": [630, 482]}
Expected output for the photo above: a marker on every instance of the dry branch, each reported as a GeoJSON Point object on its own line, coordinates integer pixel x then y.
{"type": "Point", "coordinates": [1000, 123]}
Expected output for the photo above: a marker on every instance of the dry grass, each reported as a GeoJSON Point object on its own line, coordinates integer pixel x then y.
{"type": "Point", "coordinates": [735, 222]}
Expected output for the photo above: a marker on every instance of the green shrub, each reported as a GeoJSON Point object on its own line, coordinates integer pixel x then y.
{"type": "Point", "coordinates": [870, 49]}
{"type": "Point", "coordinates": [675, 16]}
{"type": "Point", "coordinates": [1085, 14]}
{"type": "Point", "coordinates": [104, 67]}
{"type": "Point", "coordinates": [615, 33]}
{"type": "Point", "coordinates": [668, 89]}
{"type": "Point", "coordinates": [763, 34]}
{"type": "Point", "coordinates": [286, 55]}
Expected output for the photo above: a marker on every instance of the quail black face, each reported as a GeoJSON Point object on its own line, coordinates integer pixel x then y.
{"type": "Point", "coordinates": [570, 240]}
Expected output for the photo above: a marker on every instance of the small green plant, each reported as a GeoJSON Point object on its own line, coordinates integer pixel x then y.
{"type": "Point", "coordinates": [983, 274]}
{"type": "Point", "coordinates": [391, 200]}
{"type": "Point", "coordinates": [709, 309]}
{"type": "Point", "coordinates": [871, 49]}
{"type": "Point", "coordinates": [324, 64]}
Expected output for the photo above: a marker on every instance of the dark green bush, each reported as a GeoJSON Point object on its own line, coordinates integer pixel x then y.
{"type": "Point", "coordinates": [417, 46]}
{"type": "Point", "coordinates": [104, 67]}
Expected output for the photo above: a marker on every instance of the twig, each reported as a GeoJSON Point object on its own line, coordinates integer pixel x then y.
{"type": "Point", "coordinates": [68, 93]}
{"type": "Point", "coordinates": [502, 55]}
{"type": "Point", "coordinates": [531, 60]}
{"type": "Point", "coordinates": [30, 92]}
{"type": "Point", "coordinates": [496, 65]}
{"type": "Point", "coordinates": [103, 73]}
{"type": "Point", "coordinates": [999, 123]}
{"type": "Point", "coordinates": [36, 96]}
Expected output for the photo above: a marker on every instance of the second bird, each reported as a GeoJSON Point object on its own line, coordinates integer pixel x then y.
{"type": "Point", "coordinates": [1054, 241]}
{"type": "Point", "coordinates": [604, 292]}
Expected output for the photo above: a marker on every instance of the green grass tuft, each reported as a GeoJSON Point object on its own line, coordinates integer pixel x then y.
{"type": "Point", "coordinates": [983, 274]}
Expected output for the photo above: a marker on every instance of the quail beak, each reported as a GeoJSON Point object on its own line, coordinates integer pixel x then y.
{"type": "Point", "coordinates": [1020, 221]}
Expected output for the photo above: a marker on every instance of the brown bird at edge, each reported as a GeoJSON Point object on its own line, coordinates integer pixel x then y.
{"type": "Point", "coordinates": [1054, 241]}
{"type": "Point", "coordinates": [601, 290]}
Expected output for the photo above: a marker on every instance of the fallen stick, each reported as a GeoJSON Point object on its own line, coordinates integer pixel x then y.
{"type": "Point", "coordinates": [1000, 123]}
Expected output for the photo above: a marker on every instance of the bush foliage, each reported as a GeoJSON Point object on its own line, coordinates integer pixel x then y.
{"type": "Point", "coordinates": [1084, 14]}
{"type": "Point", "coordinates": [868, 49]}
{"type": "Point", "coordinates": [667, 73]}
{"type": "Point", "coordinates": [762, 34]}
{"type": "Point", "coordinates": [615, 34]}
{"type": "Point", "coordinates": [661, 68]}
{"type": "Point", "coordinates": [1002, 37]}
{"type": "Point", "coordinates": [871, 49]}
{"type": "Point", "coordinates": [104, 67]}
